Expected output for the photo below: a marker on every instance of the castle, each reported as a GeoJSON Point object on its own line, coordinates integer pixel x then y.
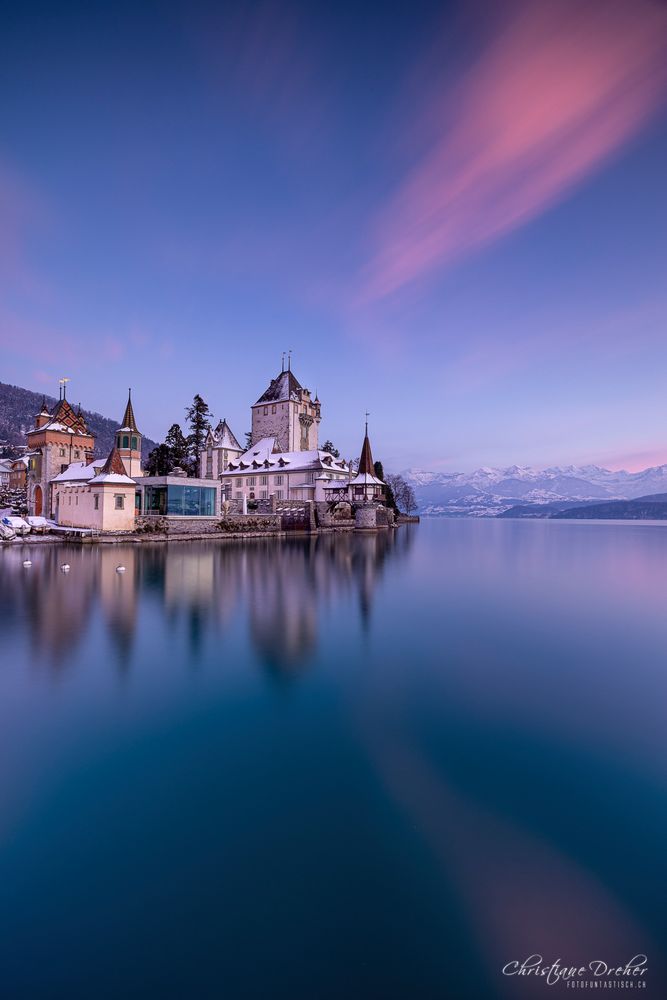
{"type": "Point", "coordinates": [283, 463]}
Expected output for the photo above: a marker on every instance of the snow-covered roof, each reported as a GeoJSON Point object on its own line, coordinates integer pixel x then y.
{"type": "Point", "coordinates": [65, 420]}
{"type": "Point", "coordinates": [223, 437]}
{"type": "Point", "coordinates": [112, 477]}
{"type": "Point", "coordinates": [366, 479]}
{"type": "Point", "coordinates": [78, 471]}
{"type": "Point", "coordinates": [283, 387]}
{"type": "Point", "coordinates": [264, 455]}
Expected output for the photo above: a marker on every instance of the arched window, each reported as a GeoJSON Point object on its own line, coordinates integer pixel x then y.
{"type": "Point", "coordinates": [134, 444]}
{"type": "Point", "coordinates": [118, 441]}
{"type": "Point", "coordinates": [126, 440]}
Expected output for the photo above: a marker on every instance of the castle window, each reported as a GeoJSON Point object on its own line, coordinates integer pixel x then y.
{"type": "Point", "coordinates": [279, 494]}
{"type": "Point", "coordinates": [263, 480]}
{"type": "Point", "coordinates": [76, 454]}
{"type": "Point", "coordinates": [278, 480]}
{"type": "Point", "coordinates": [263, 494]}
{"type": "Point", "coordinates": [250, 481]}
{"type": "Point", "coordinates": [266, 410]}
{"type": "Point", "coordinates": [62, 452]}
{"type": "Point", "coordinates": [119, 502]}
{"type": "Point", "coordinates": [96, 503]}
{"type": "Point", "coordinates": [274, 408]}
{"type": "Point", "coordinates": [134, 444]}
{"type": "Point", "coordinates": [219, 461]}
{"type": "Point", "coordinates": [63, 467]}
{"type": "Point", "coordinates": [126, 441]}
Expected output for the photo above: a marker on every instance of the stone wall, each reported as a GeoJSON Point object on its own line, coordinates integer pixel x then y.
{"type": "Point", "coordinates": [365, 517]}
{"type": "Point", "coordinates": [250, 522]}
{"type": "Point", "coordinates": [178, 525]}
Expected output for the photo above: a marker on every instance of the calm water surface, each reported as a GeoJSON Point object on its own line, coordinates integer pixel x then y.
{"type": "Point", "coordinates": [341, 767]}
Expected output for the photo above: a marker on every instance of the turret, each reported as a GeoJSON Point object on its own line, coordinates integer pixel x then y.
{"type": "Point", "coordinates": [128, 440]}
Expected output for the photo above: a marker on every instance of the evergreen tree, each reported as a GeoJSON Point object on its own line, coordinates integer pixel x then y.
{"type": "Point", "coordinates": [248, 439]}
{"type": "Point", "coordinates": [329, 446]}
{"type": "Point", "coordinates": [389, 498]}
{"type": "Point", "coordinates": [159, 461]}
{"type": "Point", "coordinates": [178, 446]}
{"type": "Point", "coordinates": [199, 418]}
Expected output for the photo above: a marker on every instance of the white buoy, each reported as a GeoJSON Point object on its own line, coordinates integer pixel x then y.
{"type": "Point", "coordinates": [120, 569]}
{"type": "Point", "coordinates": [27, 563]}
{"type": "Point", "coordinates": [65, 567]}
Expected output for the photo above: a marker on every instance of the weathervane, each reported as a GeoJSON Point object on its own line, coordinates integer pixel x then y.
{"type": "Point", "coordinates": [367, 416]}
{"type": "Point", "coordinates": [63, 387]}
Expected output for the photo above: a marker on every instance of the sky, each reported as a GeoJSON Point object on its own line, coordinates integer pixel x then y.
{"type": "Point", "coordinates": [454, 216]}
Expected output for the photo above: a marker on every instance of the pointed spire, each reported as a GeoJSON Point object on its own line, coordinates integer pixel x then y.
{"type": "Point", "coordinates": [128, 416]}
{"type": "Point", "coordinates": [366, 460]}
{"type": "Point", "coordinates": [114, 463]}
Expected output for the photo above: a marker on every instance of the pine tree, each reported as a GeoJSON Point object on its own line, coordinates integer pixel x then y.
{"type": "Point", "coordinates": [248, 440]}
{"type": "Point", "coordinates": [199, 418]}
{"type": "Point", "coordinates": [178, 446]}
{"type": "Point", "coordinates": [329, 446]}
{"type": "Point", "coordinates": [159, 461]}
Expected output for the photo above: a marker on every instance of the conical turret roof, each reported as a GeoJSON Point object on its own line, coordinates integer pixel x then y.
{"type": "Point", "coordinates": [366, 460]}
{"type": "Point", "coordinates": [114, 464]}
{"type": "Point", "coordinates": [128, 422]}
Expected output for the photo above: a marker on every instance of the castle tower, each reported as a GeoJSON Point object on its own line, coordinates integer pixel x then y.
{"type": "Point", "coordinates": [366, 485]}
{"type": "Point", "coordinates": [56, 440]}
{"type": "Point", "coordinates": [128, 440]}
{"type": "Point", "coordinates": [287, 412]}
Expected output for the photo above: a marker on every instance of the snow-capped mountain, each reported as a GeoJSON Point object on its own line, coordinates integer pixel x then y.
{"type": "Point", "coordinates": [488, 491]}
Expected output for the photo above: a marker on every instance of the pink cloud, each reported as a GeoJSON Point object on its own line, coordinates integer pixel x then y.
{"type": "Point", "coordinates": [562, 87]}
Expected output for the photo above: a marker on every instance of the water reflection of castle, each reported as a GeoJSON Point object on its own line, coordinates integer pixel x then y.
{"type": "Point", "coordinates": [281, 589]}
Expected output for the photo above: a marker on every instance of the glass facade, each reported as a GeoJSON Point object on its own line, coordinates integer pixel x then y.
{"type": "Point", "coordinates": [181, 501]}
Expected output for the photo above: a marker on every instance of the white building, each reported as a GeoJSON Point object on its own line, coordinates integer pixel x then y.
{"type": "Point", "coordinates": [5, 471]}
{"type": "Point", "coordinates": [220, 448]}
{"type": "Point", "coordinates": [290, 475]}
{"type": "Point", "coordinates": [97, 495]}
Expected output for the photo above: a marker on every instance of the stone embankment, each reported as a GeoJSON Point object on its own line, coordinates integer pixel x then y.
{"type": "Point", "coordinates": [267, 519]}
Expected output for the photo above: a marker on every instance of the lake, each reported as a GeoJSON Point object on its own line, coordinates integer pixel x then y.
{"type": "Point", "coordinates": [384, 766]}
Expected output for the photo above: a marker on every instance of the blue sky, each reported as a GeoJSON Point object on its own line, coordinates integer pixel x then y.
{"type": "Point", "coordinates": [454, 215]}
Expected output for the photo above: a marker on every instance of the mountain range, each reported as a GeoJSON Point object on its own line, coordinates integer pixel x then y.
{"type": "Point", "coordinates": [488, 492]}
{"type": "Point", "coordinates": [17, 415]}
